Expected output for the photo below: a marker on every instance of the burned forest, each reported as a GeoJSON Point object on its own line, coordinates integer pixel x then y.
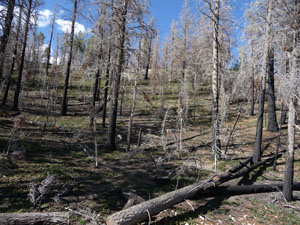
{"type": "Point", "coordinates": [124, 112]}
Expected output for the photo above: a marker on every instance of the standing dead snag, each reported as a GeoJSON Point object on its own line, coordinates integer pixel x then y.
{"type": "Point", "coordinates": [20, 74]}
{"type": "Point", "coordinates": [116, 77]}
{"type": "Point", "coordinates": [272, 118]}
{"type": "Point", "coordinates": [132, 114]}
{"type": "Point", "coordinates": [260, 115]}
{"type": "Point", "coordinates": [142, 211]}
{"type": "Point", "coordinates": [64, 104]}
{"type": "Point", "coordinates": [15, 52]}
{"type": "Point", "coordinates": [5, 34]}
{"type": "Point", "coordinates": [216, 144]}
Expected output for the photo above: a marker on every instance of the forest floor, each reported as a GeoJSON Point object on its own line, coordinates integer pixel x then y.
{"type": "Point", "coordinates": [66, 149]}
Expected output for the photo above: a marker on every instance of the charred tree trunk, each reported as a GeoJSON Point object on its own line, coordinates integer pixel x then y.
{"type": "Point", "coordinates": [251, 112]}
{"type": "Point", "coordinates": [49, 49]}
{"type": "Point", "coordinates": [216, 143]}
{"type": "Point", "coordinates": [5, 34]}
{"type": "Point", "coordinates": [289, 165]}
{"type": "Point", "coordinates": [260, 115]}
{"type": "Point", "coordinates": [142, 211]}
{"type": "Point", "coordinates": [248, 189]}
{"type": "Point", "coordinates": [19, 81]}
{"type": "Point", "coordinates": [12, 66]}
{"type": "Point", "coordinates": [283, 115]}
{"type": "Point", "coordinates": [278, 140]}
{"type": "Point", "coordinates": [130, 124]}
{"type": "Point", "coordinates": [272, 119]}
{"type": "Point", "coordinates": [106, 89]}
{"type": "Point", "coordinates": [113, 110]}
{"type": "Point", "coordinates": [96, 87]}
{"type": "Point", "coordinates": [147, 69]}
{"type": "Point", "coordinates": [64, 104]}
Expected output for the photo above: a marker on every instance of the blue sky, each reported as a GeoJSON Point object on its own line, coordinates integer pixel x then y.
{"type": "Point", "coordinates": [163, 10]}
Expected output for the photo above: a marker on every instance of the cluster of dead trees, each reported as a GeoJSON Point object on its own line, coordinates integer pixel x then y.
{"type": "Point", "coordinates": [124, 41]}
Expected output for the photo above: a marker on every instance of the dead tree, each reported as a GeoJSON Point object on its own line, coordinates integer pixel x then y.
{"type": "Point", "coordinates": [272, 119]}
{"type": "Point", "coordinates": [122, 14]}
{"type": "Point", "coordinates": [49, 48]}
{"type": "Point", "coordinates": [6, 33]}
{"type": "Point", "coordinates": [148, 43]}
{"type": "Point", "coordinates": [260, 115]}
{"type": "Point", "coordinates": [130, 124]}
{"type": "Point", "coordinates": [19, 80]}
{"type": "Point", "coordinates": [54, 218]}
{"type": "Point", "coordinates": [15, 53]}
{"type": "Point", "coordinates": [64, 104]}
{"type": "Point", "coordinates": [142, 211]}
{"type": "Point", "coordinates": [216, 143]}
{"type": "Point", "coordinates": [106, 88]}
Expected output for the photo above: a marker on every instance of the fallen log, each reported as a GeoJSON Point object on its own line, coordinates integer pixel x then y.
{"type": "Point", "coordinates": [248, 189]}
{"type": "Point", "coordinates": [55, 218]}
{"type": "Point", "coordinates": [142, 211]}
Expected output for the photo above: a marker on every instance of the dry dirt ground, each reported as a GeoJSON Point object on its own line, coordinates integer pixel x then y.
{"type": "Point", "coordinates": [65, 149]}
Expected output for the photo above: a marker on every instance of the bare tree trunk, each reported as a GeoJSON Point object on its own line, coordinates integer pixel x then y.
{"type": "Point", "coordinates": [55, 218]}
{"type": "Point", "coordinates": [142, 211]}
{"type": "Point", "coordinates": [8, 78]}
{"type": "Point", "coordinates": [216, 143]}
{"type": "Point", "coordinates": [111, 142]}
{"type": "Point", "coordinates": [147, 68]}
{"type": "Point", "coordinates": [289, 165]}
{"type": "Point", "coordinates": [251, 112]}
{"type": "Point", "coordinates": [278, 140]}
{"type": "Point", "coordinates": [106, 89]}
{"type": "Point", "coordinates": [64, 104]}
{"type": "Point", "coordinates": [132, 114]}
{"type": "Point", "coordinates": [260, 115]}
{"type": "Point", "coordinates": [232, 131]}
{"type": "Point", "coordinates": [5, 34]}
{"type": "Point", "coordinates": [283, 115]}
{"type": "Point", "coordinates": [96, 87]}
{"type": "Point", "coordinates": [272, 119]}
{"type": "Point", "coordinates": [49, 48]}
{"type": "Point", "coordinates": [19, 81]}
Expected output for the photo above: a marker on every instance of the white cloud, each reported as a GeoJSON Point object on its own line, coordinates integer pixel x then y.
{"type": "Point", "coordinates": [52, 60]}
{"type": "Point", "coordinates": [65, 26]}
{"type": "Point", "coordinates": [44, 18]}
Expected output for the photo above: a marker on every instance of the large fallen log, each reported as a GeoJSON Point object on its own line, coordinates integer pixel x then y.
{"type": "Point", "coordinates": [142, 211]}
{"type": "Point", "coordinates": [248, 189]}
{"type": "Point", "coordinates": [55, 218]}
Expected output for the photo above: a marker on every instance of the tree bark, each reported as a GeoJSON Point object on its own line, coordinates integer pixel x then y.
{"type": "Point", "coordinates": [251, 112]}
{"type": "Point", "coordinates": [289, 165]}
{"type": "Point", "coordinates": [130, 124]}
{"type": "Point", "coordinates": [272, 119]}
{"type": "Point", "coordinates": [216, 143]}
{"type": "Point", "coordinates": [64, 104]}
{"type": "Point", "coordinates": [247, 189]}
{"type": "Point", "coordinates": [142, 211]}
{"type": "Point", "coordinates": [12, 66]}
{"type": "Point", "coordinates": [96, 87]}
{"type": "Point", "coordinates": [113, 110]}
{"type": "Point", "coordinates": [34, 218]}
{"type": "Point", "coordinates": [232, 131]}
{"type": "Point", "coordinates": [260, 115]}
{"type": "Point", "coordinates": [19, 81]}
{"type": "Point", "coordinates": [49, 48]}
{"type": "Point", "coordinates": [283, 115]}
{"type": "Point", "coordinates": [5, 34]}
{"type": "Point", "coordinates": [106, 89]}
